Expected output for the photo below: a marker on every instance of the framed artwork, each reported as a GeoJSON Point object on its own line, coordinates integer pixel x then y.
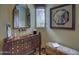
{"type": "Point", "coordinates": [63, 17]}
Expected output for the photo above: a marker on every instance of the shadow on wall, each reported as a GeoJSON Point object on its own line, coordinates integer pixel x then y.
{"type": "Point", "coordinates": [66, 37]}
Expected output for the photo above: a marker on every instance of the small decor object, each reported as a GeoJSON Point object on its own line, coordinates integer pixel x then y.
{"type": "Point", "coordinates": [63, 17]}
{"type": "Point", "coordinates": [35, 31]}
{"type": "Point", "coordinates": [8, 31]}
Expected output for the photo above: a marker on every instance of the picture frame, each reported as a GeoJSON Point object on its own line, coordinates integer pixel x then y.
{"type": "Point", "coordinates": [63, 17]}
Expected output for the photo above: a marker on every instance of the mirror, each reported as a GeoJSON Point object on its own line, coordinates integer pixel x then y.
{"type": "Point", "coordinates": [21, 16]}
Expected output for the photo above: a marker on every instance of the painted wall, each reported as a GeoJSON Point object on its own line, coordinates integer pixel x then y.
{"type": "Point", "coordinates": [5, 17]}
{"type": "Point", "coordinates": [65, 37]}
{"type": "Point", "coordinates": [69, 38]}
{"type": "Point", "coordinates": [43, 31]}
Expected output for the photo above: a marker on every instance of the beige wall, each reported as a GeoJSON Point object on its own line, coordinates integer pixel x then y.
{"type": "Point", "coordinates": [5, 17]}
{"type": "Point", "coordinates": [69, 38]}
{"type": "Point", "coordinates": [42, 30]}
{"type": "Point", "coordinates": [65, 37]}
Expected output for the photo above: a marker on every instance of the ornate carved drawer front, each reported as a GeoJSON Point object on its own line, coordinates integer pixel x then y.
{"type": "Point", "coordinates": [7, 47]}
{"type": "Point", "coordinates": [22, 46]}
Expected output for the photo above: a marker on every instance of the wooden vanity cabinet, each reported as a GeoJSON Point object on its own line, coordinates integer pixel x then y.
{"type": "Point", "coordinates": [24, 45]}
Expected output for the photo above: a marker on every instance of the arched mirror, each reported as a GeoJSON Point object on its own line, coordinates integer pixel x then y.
{"type": "Point", "coordinates": [21, 16]}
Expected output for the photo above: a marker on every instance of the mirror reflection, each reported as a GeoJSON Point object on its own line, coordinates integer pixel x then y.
{"type": "Point", "coordinates": [21, 16]}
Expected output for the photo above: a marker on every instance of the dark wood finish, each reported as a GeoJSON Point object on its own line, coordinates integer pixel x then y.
{"type": "Point", "coordinates": [23, 46]}
{"type": "Point", "coordinates": [40, 44]}
{"type": "Point", "coordinates": [73, 17]}
{"type": "Point", "coordinates": [13, 16]}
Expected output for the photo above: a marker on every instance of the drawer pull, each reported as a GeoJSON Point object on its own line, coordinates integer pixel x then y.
{"type": "Point", "coordinates": [12, 48]}
{"type": "Point", "coordinates": [17, 46]}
